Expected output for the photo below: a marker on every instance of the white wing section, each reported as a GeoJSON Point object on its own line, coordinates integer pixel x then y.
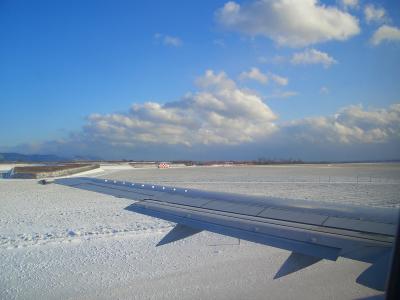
{"type": "Point", "coordinates": [311, 230]}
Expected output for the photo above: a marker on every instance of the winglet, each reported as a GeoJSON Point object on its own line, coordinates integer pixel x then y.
{"type": "Point", "coordinates": [296, 262]}
{"type": "Point", "coordinates": [177, 233]}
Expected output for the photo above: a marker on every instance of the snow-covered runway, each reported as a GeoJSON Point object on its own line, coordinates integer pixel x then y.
{"type": "Point", "coordinates": [58, 242]}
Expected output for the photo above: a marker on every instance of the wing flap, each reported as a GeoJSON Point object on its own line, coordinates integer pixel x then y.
{"type": "Point", "coordinates": [267, 234]}
{"type": "Point", "coordinates": [180, 199]}
{"type": "Point", "coordinates": [251, 210]}
{"type": "Point", "coordinates": [287, 215]}
{"type": "Point", "coordinates": [361, 225]}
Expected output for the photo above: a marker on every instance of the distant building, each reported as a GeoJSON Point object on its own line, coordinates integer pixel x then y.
{"type": "Point", "coordinates": [163, 165]}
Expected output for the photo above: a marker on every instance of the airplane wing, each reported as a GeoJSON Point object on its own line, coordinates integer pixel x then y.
{"type": "Point", "coordinates": [311, 230]}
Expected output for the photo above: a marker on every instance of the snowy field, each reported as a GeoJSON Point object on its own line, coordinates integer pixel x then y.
{"type": "Point", "coordinates": [62, 243]}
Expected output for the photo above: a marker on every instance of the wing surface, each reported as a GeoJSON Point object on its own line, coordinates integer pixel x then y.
{"type": "Point", "coordinates": [312, 230]}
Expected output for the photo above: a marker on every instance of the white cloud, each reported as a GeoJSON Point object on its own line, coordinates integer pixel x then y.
{"type": "Point", "coordinates": [221, 116]}
{"type": "Point", "coordinates": [374, 14]}
{"type": "Point", "coordinates": [262, 60]}
{"type": "Point", "coordinates": [324, 90]}
{"type": "Point", "coordinates": [172, 41]}
{"type": "Point", "coordinates": [168, 40]}
{"type": "Point", "coordinates": [254, 74]}
{"type": "Point", "coordinates": [222, 121]}
{"type": "Point", "coordinates": [294, 23]}
{"type": "Point", "coordinates": [350, 3]}
{"type": "Point", "coordinates": [312, 56]}
{"type": "Point", "coordinates": [278, 79]}
{"type": "Point", "coordinates": [351, 125]}
{"type": "Point", "coordinates": [385, 33]}
{"type": "Point", "coordinates": [220, 113]}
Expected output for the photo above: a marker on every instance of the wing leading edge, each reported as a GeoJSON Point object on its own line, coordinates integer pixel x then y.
{"type": "Point", "coordinates": [310, 230]}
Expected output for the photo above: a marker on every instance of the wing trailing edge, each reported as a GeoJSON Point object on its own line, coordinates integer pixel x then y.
{"type": "Point", "coordinates": [311, 230]}
{"type": "Point", "coordinates": [225, 225]}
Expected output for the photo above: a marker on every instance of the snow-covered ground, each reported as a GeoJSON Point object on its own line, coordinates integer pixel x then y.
{"type": "Point", "coordinates": [59, 242]}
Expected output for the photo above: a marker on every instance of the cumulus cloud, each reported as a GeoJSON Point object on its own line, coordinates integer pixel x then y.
{"type": "Point", "coordinates": [351, 125]}
{"type": "Point", "coordinates": [254, 74]}
{"type": "Point", "coordinates": [168, 40]}
{"type": "Point", "coordinates": [221, 120]}
{"type": "Point", "coordinates": [280, 80]}
{"type": "Point", "coordinates": [294, 23]}
{"type": "Point", "coordinates": [350, 3]}
{"type": "Point", "coordinates": [312, 56]}
{"type": "Point", "coordinates": [257, 75]}
{"type": "Point", "coordinates": [211, 125]}
{"type": "Point", "coordinates": [385, 33]}
{"type": "Point", "coordinates": [374, 14]}
{"type": "Point", "coordinates": [220, 113]}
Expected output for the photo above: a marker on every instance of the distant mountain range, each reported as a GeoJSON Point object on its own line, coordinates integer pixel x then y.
{"type": "Point", "coordinates": [43, 158]}
{"type": "Point", "coordinates": [37, 158]}
{"type": "Point", "coordinates": [18, 157]}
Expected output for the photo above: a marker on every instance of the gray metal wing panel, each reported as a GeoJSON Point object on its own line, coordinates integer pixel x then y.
{"type": "Point", "coordinates": [236, 227]}
{"type": "Point", "coordinates": [180, 199]}
{"type": "Point", "coordinates": [288, 215]}
{"type": "Point", "coordinates": [117, 192]}
{"type": "Point", "coordinates": [309, 228]}
{"type": "Point", "coordinates": [374, 214]}
{"type": "Point", "coordinates": [308, 240]}
{"type": "Point", "coordinates": [101, 187]}
{"type": "Point", "coordinates": [361, 225]}
{"type": "Point", "coordinates": [238, 208]}
{"type": "Point", "coordinates": [308, 212]}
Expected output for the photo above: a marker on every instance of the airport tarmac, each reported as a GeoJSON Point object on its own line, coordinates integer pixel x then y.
{"type": "Point", "coordinates": [59, 242]}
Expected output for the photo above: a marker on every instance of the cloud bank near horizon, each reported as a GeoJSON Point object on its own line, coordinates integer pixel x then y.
{"type": "Point", "coordinates": [222, 120]}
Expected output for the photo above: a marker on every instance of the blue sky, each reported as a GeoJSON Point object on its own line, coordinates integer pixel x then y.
{"type": "Point", "coordinates": [71, 72]}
